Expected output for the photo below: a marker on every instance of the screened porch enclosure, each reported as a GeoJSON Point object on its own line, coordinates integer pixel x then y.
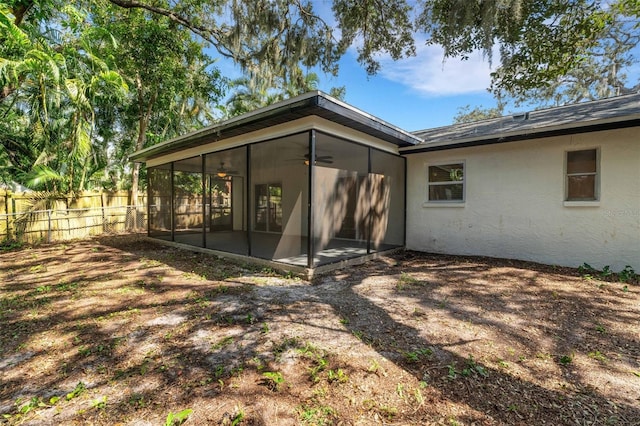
{"type": "Point", "coordinates": [307, 199]}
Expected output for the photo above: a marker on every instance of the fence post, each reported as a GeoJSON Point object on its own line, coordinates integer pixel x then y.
{"type": "Point", "coordinates": [49, 227]}
{"type": "Point", "coordinates": [6, 210]}
{"type": "Point", "coordinates": [13, 216]}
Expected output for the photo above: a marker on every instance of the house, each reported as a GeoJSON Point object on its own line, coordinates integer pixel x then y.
{"type": "Point", "coordinates": [312, 183]}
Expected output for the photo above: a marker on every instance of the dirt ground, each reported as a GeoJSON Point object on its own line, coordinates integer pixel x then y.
{"type": "Point", "coordinates": [120, 330]}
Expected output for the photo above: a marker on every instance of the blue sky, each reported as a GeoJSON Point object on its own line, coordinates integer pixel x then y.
{"type": "Point", "coordinates": [416, 93]}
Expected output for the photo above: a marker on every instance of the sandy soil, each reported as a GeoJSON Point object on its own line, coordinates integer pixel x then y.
{"type": "Point", "coordinates": [119, 330]}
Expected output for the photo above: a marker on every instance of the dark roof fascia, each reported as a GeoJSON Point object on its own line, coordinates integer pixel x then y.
{"type": "Point", "coordinates": [524, 136]}
{"type": "Point", "coordinates": [313, 103]}
{"type": "Point", "coordinates": [376, 127]}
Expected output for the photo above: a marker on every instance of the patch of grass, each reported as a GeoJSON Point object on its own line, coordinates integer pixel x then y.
{"type": "Point", "coordinates": [194, 276]}
{"type": "Point", "coordinates": [238, 416]}
{"type": "Point", "coordinates": [38, 268]}
{"type": "Point", "coordinates": [178, 418]}
{"type": "Point", "coordinates": [273, 380]}
{"type": "Point", "coordinates": [628, 275]}
{"type": "Point", "coordinates": [77, 391]}
{"type": "Point", "coordinates": [287, 343]}
{"type": "Point", "coordinates": [418, 354]}
{"type": "Point", "coordinates": [375, 368]}
{"type": "Point", "coordinates": [566, 359]}
{"type": "Point", "coordinates": [544, 356]}
{"type": "Point", "coordinates": [597, 355]}
{"type": "Point", "coordinates": [471, 368]}
{"type": "Point", "coordinates": [100, 403]}
{"type": "Point", "coordinates": [8, 245]}
{"type": "Point", "coordinates": [405, 280]}
{"type": "Point", "coordinates": [222, 343]}
{"type": "Point", "coordinates": [319, 415]}
{"type": "Point", "coordinates": [337, 376]}
{"type": "Point", "coordinates": [320, 365]}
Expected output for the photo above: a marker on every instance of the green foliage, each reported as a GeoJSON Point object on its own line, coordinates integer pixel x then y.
{"type": "Point", "coordinates": [466, 114]}
{"type": "Point", "coordinates": [81, 88]}
{"type": "Point", "coordinates": [597, 355]}
{"type": "Point", "coordinates": [566, 359]}
{"type": "Point", "coordinates": [418, 354]}
{"type": "Point", "coordinates": [178, 418]}
{"type": "Point", "coordinates": [272, 380]}
{"type": "Point", "coordinates": [471, 368]}
{"type": "Point", "coordinates": [317, 414]}
{"type": "Point", "coordinates": [77, 391]}
{"type": "Point", "coordinates": [338, 376]}
{"type": "Point", "coordinates": [627, 275]}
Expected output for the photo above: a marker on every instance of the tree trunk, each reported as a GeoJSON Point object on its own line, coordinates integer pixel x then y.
{"type": "Point", "coordinates": [143, 124]}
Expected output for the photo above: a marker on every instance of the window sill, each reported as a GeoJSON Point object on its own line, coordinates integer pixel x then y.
{"type": "Point", "coordinates": [436, 204]}
{"type": "Point", "coordinates": [595, 203]}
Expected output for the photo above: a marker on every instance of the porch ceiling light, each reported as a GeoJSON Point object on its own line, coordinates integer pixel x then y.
{"type": "Point", "coordinates": [224, 172]}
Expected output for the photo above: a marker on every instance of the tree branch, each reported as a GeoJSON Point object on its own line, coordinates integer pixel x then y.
{"type": "Point", "coordinates": [208, 34]}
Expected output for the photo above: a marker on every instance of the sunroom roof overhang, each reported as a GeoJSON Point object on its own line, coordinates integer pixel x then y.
{"type": "Point", "coordinates": [309, 104]}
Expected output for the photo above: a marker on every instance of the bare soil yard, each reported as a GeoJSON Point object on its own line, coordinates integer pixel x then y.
{"type": "Point", "coordinates": [120, 330]}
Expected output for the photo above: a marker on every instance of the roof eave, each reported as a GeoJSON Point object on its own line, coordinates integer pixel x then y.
{"type": "Point", "coordinates": [304, 105]}
{"type": "Point", "coordinates": [527, 134]}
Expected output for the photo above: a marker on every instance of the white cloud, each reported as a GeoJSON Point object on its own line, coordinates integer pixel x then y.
{"type": "Point", "coordinates": [427, 74]}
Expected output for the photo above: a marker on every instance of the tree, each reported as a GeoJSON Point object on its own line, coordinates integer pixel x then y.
{"type": "Point", "coordinates": [174, 84]}
{"type": "Point", "coordinates": [539, 40]}
{"type": "Point", "coordinates": [466, 114]}
{"type": "Point", "coordinates": [249, 95]}
{"type": "Point", "coordinates": [271, 40]}
{"type": "Point", "coordinates": [50, 80]}
{"type": "Point", "coordinates": [600, 73]}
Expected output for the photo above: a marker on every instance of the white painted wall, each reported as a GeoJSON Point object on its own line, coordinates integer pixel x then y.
{"type": "Point", "coordinates": [514, 203]}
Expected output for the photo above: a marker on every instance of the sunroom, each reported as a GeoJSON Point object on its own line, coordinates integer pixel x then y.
{"type": "Point", "coordinates": [306, 183]}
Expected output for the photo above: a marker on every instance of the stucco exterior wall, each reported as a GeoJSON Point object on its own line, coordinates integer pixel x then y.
{"type": "Point", "coordinates": [514, 203]}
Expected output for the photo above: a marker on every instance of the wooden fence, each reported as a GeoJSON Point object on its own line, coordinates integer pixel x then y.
{"type": "Point", "coordinates": [38, 217]}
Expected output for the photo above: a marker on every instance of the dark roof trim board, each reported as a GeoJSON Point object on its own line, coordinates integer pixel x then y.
{"type": "Point", "coordinates": [523, 136]}
{"type": "Point", "coordinates": [312, 103]}
{"type": "Point", "coordinates": [606, 114]}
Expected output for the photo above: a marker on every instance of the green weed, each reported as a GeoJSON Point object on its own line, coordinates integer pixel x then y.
{"type": "Point", "coordinates": [566, 359]}
{"type": "Point", "coordinates": [100, 403]}
{"type": "Point", "coordinates": [473, 368]}
{"type": "Point", "coordinates": [77, 391]}
{"type": "Point", "coordinates": [597, 355]}
{"type": "Point", "coordinates": [273, 380]}
{"type": "Point", "coordinates": [223, 343]}
{"type": "Point", "coordinates": [628, 275]}
{"type": "Point", "coordinates": [320, 415]}
{"type": "Point", "coordinates": [416, 355]}
{"type": "Point", "coordinates": [337, 376]}
{"type": "Point", "coordinates": [178, 418]}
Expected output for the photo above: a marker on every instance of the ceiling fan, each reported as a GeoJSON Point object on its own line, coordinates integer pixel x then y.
{"type": "Point", "coordinates": [223, 172]}
{"type": "Point", "coordinates": [325, 159]}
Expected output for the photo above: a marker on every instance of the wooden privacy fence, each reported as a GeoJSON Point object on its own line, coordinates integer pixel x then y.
{"type": "Point", "coordinates": [36, 217]}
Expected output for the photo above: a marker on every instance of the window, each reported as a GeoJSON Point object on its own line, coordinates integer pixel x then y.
{"type": "Point", "coordinates": [269, 208]}
{"type": "Point", "coordinates": [446, 182]}
{"type": "Point", "coordinates": [582, 175]}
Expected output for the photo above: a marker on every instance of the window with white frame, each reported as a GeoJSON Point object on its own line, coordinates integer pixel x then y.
{"type": "Point", "coordinates": [581, 183]}
{"type": "Point", "coordinates": [446, 182]}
